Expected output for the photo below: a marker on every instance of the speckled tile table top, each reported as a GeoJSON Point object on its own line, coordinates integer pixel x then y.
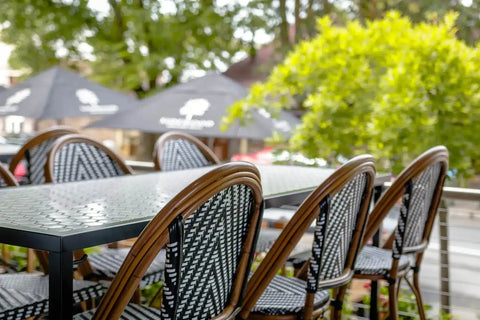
{"type": "Point", "coordinates": [69, 208]}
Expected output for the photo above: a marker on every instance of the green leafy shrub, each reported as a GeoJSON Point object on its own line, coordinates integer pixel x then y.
{"type": "Point", "coordinates": [390, 88]}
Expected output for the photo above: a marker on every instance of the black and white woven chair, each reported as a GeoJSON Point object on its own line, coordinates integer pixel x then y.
{"type": "Point", "coordinates": [419, 186]}
{"type": "Point", "coordinates": [25, 295]}
{"type": "Point", "coordinates": [339, 206]}
{"type": "Point", "coordinates": [208, 229]}
{"type": "Point", "coordinates": [179, 151]}
{"type": "Point", "coordinates": [34, 152]}
{"type": "Point", "coordinates": [76, 158]}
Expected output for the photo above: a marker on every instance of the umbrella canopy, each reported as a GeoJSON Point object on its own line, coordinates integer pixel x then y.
{"type": "Point", "coordinates": [197, 107]}
{"type": "Point", "coordinates": [57, 93]}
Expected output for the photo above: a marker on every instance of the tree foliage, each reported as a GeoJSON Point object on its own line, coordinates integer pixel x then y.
{"type": "Point", "coordinates": [390, 88]}
{"type": "Point", "coordinates": [131, 46]}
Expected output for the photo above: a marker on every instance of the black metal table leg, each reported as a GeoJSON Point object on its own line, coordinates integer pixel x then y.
{"type": "Point", "coordinates": [61, 285]}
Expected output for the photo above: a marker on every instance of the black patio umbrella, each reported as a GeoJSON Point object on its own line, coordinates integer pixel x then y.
{"type": "Point", "coordinates": [57, 93]}
{"type": "Point", "coordinates": [197, 107]}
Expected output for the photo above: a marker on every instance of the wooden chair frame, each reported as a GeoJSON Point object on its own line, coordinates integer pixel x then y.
{"type": "Point", "coordinates": [387, 201]}
{"type": "Point", "coordinates": [51, 133]}
{"type": "Point", "coordinates": [156, 235]}
{"type": "Point", "coordinates": [8, 177]}
{"type": "Point", "coordinates": [160, 144]}
{"type": "Point", "coordinates": [296, 228]}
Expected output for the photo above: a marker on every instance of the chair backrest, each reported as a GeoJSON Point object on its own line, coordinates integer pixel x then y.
{"type": "Point", "coordinates": [339, 206]}
{"type": "Point", "coordinates": [420, 187]}
{"type": "Point", "coordinates": [6, 178]}
{"type": "Point", "coordinates": [209, 230]}
{"type": "Point", "coordinates": [77, 157]}
{"type": "Point", "coordinates": [179, 151]}
{"type": "Point", "coordinates": [35, 154]}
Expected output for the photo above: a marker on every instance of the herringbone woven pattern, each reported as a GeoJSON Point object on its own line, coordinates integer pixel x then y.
{"type": "Point", "coordinates": [107, 263]}
{"type": "Point", "coordinates": [373, 260]}
{"type": "Point", "coordinates": [203, 268]}
{"type": "Point", "coordinates": [333, 232]}
{"type": "Point", "coordinates": [23, 296]}
{"type": "Point", "coordinates": [36, 158]}
{"type": "Point", "coordinates": [180, 154]}
{"type": "Point", "coordinates": [286, 295]}
{"type": "Point", "coordinates": [82, 161]}
{"type": "Point", "coordinates": [131, 312]}
{"type": "Point", "coordinates": [414, 209]}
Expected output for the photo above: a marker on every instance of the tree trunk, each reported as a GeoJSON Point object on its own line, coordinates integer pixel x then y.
{"type": "Point", "coordinates": [117, 15]}
{"type": "Point", "coordinates": [284, 37]}
{"type": "Point", "coordinates": [298, 32]}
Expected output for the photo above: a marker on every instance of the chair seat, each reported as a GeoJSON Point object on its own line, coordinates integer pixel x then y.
{"type": "Point", "coordinates": [377, 261]}
{"type": "Point", "coordinates": [108, 262]}
{"type": "Point", "coordinates": [286, 295]}
{"type": "Point", "coordinates": [131, 312]}
{"type": "Point", "coordinates": [26, 295]}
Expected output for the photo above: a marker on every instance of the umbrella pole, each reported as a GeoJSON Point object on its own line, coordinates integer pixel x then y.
{"type": "Point", "coordinates": [244, 145]}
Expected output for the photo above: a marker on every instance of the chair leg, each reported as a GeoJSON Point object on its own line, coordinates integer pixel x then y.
{"type": "Point", "coordinates": [399, 285]}
{"type": "Point", "coordinates": [339, 296]}
{"type": "Point", "coordinates": [137, 296]}
{"type": "Point", "coordinates": [374, 293]}
{"type": "Point", "coordinates": [418, 295]}
{"type": "Point", "coordinates": [392, 301]}
{"type": "Point", "coordinates": [30, 260]}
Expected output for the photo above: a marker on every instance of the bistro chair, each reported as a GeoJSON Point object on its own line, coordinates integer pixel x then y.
{"type": "Point", "coordinates": [339, 206]}
{"type": "Point", "coordinates": [34, 152]}
{"type": "Point", "coordinates": [179, 151]}
{"type": "Point", "coordinates": [209, 230]}
{"type": "Point", "coordinates": [75, 158]}
{"type": "Point", "coordinates": [25, 295]}
{"type": "Point", "coordinates": [419, 186]}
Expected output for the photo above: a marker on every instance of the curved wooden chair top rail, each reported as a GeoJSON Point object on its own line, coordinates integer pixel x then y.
{"type": "Point", "coordinates": [156, 236]}
{"type": "Point", "coordinates": [71, 139]}
{"type": "Point", "coordinates": [310, 210]}
{"type": "Point", "coordinates": [160, 145]}
{"type": "Point", "coordinates": [48, 134]}
{"type": "Point", "coordinates": [386, 202]}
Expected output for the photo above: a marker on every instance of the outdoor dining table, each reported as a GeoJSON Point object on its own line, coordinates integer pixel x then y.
{"type": "Point", "coordinates": [61, 218]}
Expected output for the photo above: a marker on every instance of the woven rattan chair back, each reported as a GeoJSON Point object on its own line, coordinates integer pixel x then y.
{"type": "Point", "coordinates": [76, 157]}
{"type": "Point", "coordinates": [179, 151]}
{"type": "Point", "coordinates": [35, 154]}
{"type": "Point", "coordinates": [339, 206]}
{"type": "Point", "coordinates": [209, 229]}
{"type": "Point", "coordinates": [420, 188]}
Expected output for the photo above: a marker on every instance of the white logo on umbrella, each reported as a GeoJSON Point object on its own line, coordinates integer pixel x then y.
{"type": "Point", "coordinates": [191, 108]}
{"type": "Point", "coordinates": [90, 103]}
{"type": "Point", "coordinates": [194, 107]}
{"type": "Point", "coordinates": [11, 104]}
